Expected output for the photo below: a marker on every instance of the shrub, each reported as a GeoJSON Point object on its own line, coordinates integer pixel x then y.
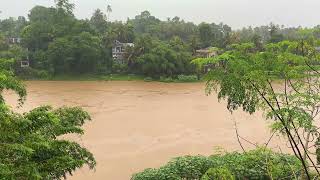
{"type": "Point", "coordinates": [256, 164]}
{"type": "Point", "coordinates": [220, 173]}
{"type": "Point", "coordinates": [30, 73]}
{"type": "Point", "coordinates": [187, 78]}
{"type": "Point", "coordinates": [119, 68]}
{"type": "Point", "coordinates": [42, 74]}
{"type": "Point", "coordinates": [166, 79]}
{"type": "Point", "coordinates": [190, 167]}
{"type": "Point", "coordinates": [148, 79]}
{"type": "Point", "coordinates": [163, 173]}
{"type": "Point", "coordinates": [259, 164]}
{"type": "Point", "coordinates": [103, 70]}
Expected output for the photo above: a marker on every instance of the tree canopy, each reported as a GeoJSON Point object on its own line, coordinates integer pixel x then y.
{"type": "Point", "coordinates": [88, 42]}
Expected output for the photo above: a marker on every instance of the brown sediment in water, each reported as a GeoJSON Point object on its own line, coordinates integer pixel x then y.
{"type": "Point", "coordinates": [138, 125]}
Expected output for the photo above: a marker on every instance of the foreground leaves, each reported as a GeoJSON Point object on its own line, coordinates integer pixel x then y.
{"type": "Point", "coordinates": [31, 148]}
{"type": "Point", "coordinates": [256, 164]}
{"type": "Point", "coordinates": [32, 145]}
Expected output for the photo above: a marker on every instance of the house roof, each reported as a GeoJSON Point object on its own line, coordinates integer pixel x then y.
{"type": "Point", "coordinates": [207, 50]}
{"type": "Point", "coordinates": [118, 43]}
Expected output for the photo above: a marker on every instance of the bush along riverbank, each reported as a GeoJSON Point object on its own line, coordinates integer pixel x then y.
{"type": "Point", "coordinates": [109, 77]}
{"type": "Point", "coordinates": [260, 164]}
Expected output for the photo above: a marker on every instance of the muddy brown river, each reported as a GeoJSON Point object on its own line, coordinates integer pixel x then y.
{"type": "Point", "coordinates": [137, 125]}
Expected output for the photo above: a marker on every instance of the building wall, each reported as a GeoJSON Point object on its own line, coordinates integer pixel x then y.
{"type": "Point", "coordinates": [119, 51]}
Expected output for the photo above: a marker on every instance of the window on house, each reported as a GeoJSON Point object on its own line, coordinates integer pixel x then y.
{"type": "Point", "coordinates": [25, 64]}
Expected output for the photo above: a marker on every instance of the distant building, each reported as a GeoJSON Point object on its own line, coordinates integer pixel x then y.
{"type": "Point", "coordinates": [14, 40]}
{"type": "Point", "coordinates": [119, 51]}
{"type": "Point", "coordinates": [24, 64]}
{"type": "Point", "coordinates": [207, 52]}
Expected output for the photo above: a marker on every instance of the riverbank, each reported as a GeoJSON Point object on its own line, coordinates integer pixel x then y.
{"type": "Point", "coordinates": [88, 77]}
{"type": "Point", "coordinates": [116, 77]}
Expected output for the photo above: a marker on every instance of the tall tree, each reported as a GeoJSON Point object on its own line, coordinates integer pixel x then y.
{"type": "Point", "coordinates": [65, 5]}
{"type": "Point", "coordinates": [109, 11]}
{"type": "Point", "coordinates": [99, 21]}
{"type": "Point", "coordinates": [206, 35]}
{"type": "Point", "coordinates": [275, 36]}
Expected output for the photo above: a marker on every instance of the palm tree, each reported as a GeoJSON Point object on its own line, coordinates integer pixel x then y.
{"type": "Point", "coordinates": [109, 10]}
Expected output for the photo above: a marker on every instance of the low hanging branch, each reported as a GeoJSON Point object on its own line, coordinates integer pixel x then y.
{"type": "Point", "coordinates": [238, 137]}
{"type": "Point", "coordinates": [290, 136]}
{"type": "Point", "coordinates": [246, 80]}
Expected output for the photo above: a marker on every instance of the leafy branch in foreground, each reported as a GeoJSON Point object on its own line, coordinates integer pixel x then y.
{"type": "Point", "coordinates": [282, 81]}
{"type": "Point", "coordinates": [31, 146]}
{"type": "Point", "coordinates": [9, 82]}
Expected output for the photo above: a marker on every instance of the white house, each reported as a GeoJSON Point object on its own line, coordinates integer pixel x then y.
{"type": "Point", "coordinates": [14, 40]}
{"type": "Point", "coordinates": [119, 51]}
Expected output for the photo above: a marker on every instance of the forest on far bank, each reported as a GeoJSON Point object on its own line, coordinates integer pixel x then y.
{"type": "Point", "coordinates": [55, 43]}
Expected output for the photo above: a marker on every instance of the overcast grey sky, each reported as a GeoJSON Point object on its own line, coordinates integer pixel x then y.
{"type": "Point", "coordinates": [236, 13]}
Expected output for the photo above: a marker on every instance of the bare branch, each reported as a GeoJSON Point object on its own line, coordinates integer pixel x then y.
{"type": "Point", "coordinates": [238, 137]}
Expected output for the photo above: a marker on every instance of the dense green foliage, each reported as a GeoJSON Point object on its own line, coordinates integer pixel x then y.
{"type": "Point", "coordinates": [31, 144]}
{"type": "Point", "coordinates": [165, 59]}
{"type": "Point", "coordinates": [282, 80]}
{"type": "Point", "coordinates": [57, 43]}
{"type": "Point", "coordinates": [77, 54]}
{"type": "Point", "coordinates": [218, 173]}
{"type": "Point", "coordinates": [189, 78]}
{"type": "Point", "coordinates": [255, 164]}
{"type": "Point", "coordinates": [31, 147]}
{"type": "Point", "coordinates": [9, 82]}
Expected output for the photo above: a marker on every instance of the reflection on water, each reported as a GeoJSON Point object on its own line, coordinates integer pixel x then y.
{"type": "Point", "coordinates": [137, 125]}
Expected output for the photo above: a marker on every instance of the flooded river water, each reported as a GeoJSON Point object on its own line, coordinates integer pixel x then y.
{"type": "Point", "coordinates": [137, 125]}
